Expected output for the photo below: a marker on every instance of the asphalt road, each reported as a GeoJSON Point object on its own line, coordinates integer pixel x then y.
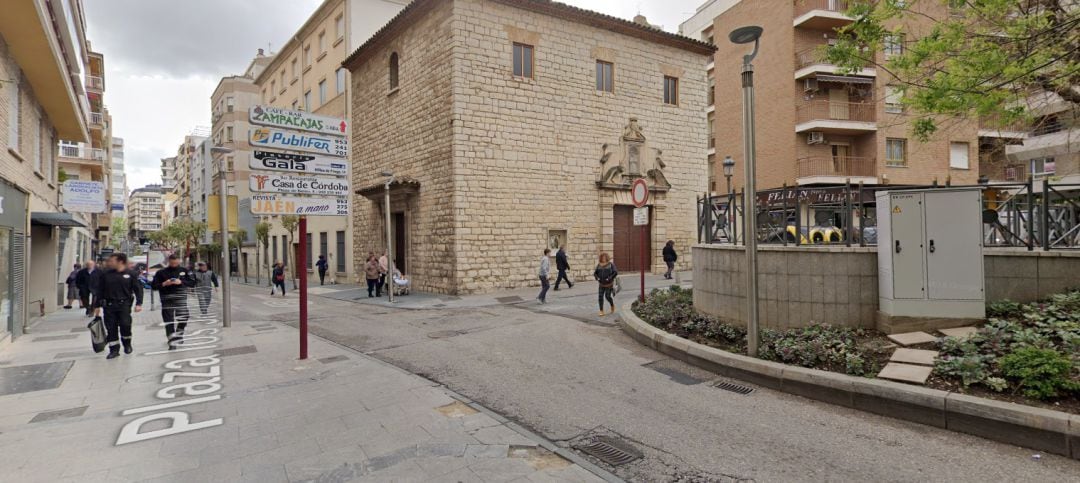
{"type": "Point", "coordinates": [577, 375]}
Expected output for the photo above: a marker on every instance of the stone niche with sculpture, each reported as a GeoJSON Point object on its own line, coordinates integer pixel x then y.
{"type": "Point", "coordinates": [631, 159]}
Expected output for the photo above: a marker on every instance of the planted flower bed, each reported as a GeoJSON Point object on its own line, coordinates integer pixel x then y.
{"type": "Point", "coordinates": [1028, 354]}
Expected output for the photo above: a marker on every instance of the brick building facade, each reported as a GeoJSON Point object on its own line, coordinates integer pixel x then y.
{"type": "Point", "coordinates": [513, 125]}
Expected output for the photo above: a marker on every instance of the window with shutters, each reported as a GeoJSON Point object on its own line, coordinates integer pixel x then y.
{"type": "Point", "coordinates": [896, 152]}
{"type": "Point", "coordinates": [340, 251]}
{"type": "Point", "coordinates": [671, 90]}
{"type": "Point", "coordinates": [393, 68]}
{"type": "Point", "coordinates": [340, 80]}
{"type": "Point", "coordinates": [322, 92]}
{"type": "Point", "coordinates": [523, 61]}
{"type": "Point", "coordinates": [605, 72]}
{"type": "Point", "coordinates": [959, 155]}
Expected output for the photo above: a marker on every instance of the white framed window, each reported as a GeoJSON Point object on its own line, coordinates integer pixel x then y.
{"type": "Point", "coordinates": [339, 27]}
{"type": "Point", "coordinates": [322, 92]}
{"type": "Point", "coordinates": [959, 154]}
{"type": "Point", "coordinates": [295, 73]}
{"type": "Point", "coordinates": [894, 45]}
{"type": "Point", "coordinates": [307, 100]}
{"type": "Point", "coordinates": [230, 104]}
{"type": "Point", "coordinates": [322, 42]}
{"type": "Point", "coordinates": [605, 72]}
{"type": "Point", "coordinates": [340, 74]}
{"type": "Point", "coordinates": [1043, 167]}
{"type": "Point", "coordinates": [228, 134]}
{"type": "Point", "coordinates": [893, 95]}
{"type": "Point", "coordinates": [307, 55]}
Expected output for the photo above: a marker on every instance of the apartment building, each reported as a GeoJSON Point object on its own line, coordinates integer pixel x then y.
{"type": "Point", "coordinates": [43, 86]}
{"type": "Point", "coordinates": [145, 206]}
{"type": "Point", "coordinates": [183, 174]}
{"type": "Point", "coordinates": [1050, 150]}
{"type": "Point", "coordinates": [814, 126]}
{"type": "Point", "coordinates": [306, 74]}
{"type": "Point", "coordinates": [517, 125]}
{"type": "Point", "coordinates": [230, 103]}
{"type": "Point", "coordinates": [118, 188]}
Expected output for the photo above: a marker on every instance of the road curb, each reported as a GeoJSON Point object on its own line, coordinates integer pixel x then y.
{"type": "Point", "coordinates": [1041, 429]}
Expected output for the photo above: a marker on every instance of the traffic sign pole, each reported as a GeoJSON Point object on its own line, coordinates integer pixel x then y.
{"type": "Point", "coordinates": [301, 265]}
{"type": "Point", "coordinates": [644, 262]}
{"type": "Point", "coordinates": [639, 194]}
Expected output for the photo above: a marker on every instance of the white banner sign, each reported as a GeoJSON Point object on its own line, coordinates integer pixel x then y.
{"type": "Point", "coordinates": [641, 216]}
{"type": "Point", "coordinates": [304, 185]}
{"type": "Point", "coordinates": [84, 196]}
{"type": "Point", "coordinates": [297, 141]}
{"type": "Point", "coordinates": [295, 205]}
{"type": "Point", "coordinates": [300, 120]}
{"type": "Point", "coordinates": [298, 163]}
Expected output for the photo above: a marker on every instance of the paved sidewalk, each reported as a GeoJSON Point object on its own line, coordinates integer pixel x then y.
{"type": "Point", "coordinates": [342, 417]}
{"type": "Point", "coordinates": [350, 292]}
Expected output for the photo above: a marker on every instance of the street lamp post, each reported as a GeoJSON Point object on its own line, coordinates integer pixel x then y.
{"type": "Point", "coordinates": [729, 171]}
{"type": "Point", "coordinates": [223, 206]}
{"type": "Point", "coordinates": [746, 35]}
{"type": "Point", "coordinates": [389, 248]}
{"type": "Point", "coordinates": [729, 223]}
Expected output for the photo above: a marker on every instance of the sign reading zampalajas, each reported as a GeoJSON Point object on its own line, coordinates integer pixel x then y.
{"type": "Point", "coordinates": [300, 120]}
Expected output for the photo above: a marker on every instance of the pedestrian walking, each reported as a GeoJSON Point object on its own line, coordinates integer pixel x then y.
{"type": "Point", "coordinates": [606, 275]}
{"type": "Point", "coordinates": [72, 287]}
{"type": "Point", "coordinates": [562, 265]}
{"type": "Point", "coordinates": [277, 277]}
{"type": "Point", "coordinates": [545, 267]}
{"type": "Point", "coordinates": [205, 283]}
{"type": "Point", "coordinates": [322, 266]}
{"type": "Point", "coordinates": [174, 283]}
{"type": "Point", "coordinates": [118, 289]}
{"type": "Point", "coordinates": [372, 272]}
{"type": "Point", "coordinates": [670, 257]}
{"type": "Point", "coordinates": [384, 268]}
{"type": "Point", "coordinates": [86, 280]}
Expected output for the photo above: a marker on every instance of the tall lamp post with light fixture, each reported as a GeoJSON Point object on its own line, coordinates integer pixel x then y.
{"type": "Point", "coordinates": [223, 205]}
{"type": "Point", "coordinates": [729, 171]}
{"type": "Point", "coordinates": [746, 35]}
{"type": "Point", "coordinates": [389, 248]}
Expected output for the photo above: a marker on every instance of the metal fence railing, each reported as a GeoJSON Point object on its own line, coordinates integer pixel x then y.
{"type": "Point", "coordinates": [821, 109]}
{"type": "Point", "coordinates": [1034, 214]}
{"type": "Point", "coordinates": [840, 166]}
{"type": "Point", "coordinates": [804, 6]}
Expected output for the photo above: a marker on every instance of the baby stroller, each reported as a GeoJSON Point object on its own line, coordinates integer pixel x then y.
{"type": "Point", "coordinates": [401, 285]}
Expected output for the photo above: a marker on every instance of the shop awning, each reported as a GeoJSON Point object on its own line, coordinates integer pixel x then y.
{"type": "Point", "coordinates": [406, 186]}
{"type": "Point", "coordinates": [43, 218]}
{"type": "Point", "coordinates": [845, 78]}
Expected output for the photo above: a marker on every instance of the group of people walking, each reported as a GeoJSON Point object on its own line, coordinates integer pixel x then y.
{"type": "Point", "coordinates": [605, 273]}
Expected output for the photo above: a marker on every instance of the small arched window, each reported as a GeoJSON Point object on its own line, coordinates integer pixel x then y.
{"type": "Point", "coordinates": [393, 71]}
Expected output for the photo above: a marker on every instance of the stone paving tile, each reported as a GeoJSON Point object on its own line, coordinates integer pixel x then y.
{"type": "Point", "coordinates": [487, 450]}
{"type": "Point", "coordinates": [914, 356]}
{"type": "Point", "coordinates": [906, 373]}
{"type": "Point", "coordinates": [502, 435]}
{"type": "Point", "coordinates": [959, 331]}
{"type": "Point", "coordinates": [912, 338]}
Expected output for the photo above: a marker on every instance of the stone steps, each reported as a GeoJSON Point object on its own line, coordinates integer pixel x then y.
{"type": "Point", "coordinates": [915, 365]}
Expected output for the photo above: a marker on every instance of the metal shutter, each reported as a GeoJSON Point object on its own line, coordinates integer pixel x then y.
{"type": "Point", "coordinates": [18, 282]}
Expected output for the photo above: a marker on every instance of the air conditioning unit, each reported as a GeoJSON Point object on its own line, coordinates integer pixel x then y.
{"type": "Point", "coordinates": [815, 137]}
{"type": "Point", "coordinates": [810, 84]}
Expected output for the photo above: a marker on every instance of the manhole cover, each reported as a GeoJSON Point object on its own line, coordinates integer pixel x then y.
{"type": "Point", "coordinates": [444, 334]}
{"type": "Point", "coordinates": [610, 450]}
{"type": "Point", "coordinates": [735, 388]}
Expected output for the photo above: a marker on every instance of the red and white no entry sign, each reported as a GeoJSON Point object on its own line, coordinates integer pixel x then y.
{"type": "Point", "coordinates": [639, 192]}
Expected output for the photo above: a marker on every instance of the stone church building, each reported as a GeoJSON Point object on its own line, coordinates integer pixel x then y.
{"type": "Point", "coordinates": [515, 125]}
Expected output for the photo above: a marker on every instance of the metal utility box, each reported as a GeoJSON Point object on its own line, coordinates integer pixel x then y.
{"type": "Point", "coordinates": [930, 259]}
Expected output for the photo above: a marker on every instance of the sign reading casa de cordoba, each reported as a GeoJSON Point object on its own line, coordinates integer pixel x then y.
{"type": "Point", "coordinates": [304, 185]}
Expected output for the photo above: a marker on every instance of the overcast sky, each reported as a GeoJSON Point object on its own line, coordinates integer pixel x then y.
{"type": "Point", "coordinates": [163, 59]}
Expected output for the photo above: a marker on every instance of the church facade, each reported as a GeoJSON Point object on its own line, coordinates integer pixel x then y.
{"type": "Point", "coordinates": [511, 126]}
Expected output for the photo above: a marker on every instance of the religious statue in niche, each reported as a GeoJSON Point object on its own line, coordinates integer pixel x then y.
{"type": "Point", "coordinates": [633, 161]}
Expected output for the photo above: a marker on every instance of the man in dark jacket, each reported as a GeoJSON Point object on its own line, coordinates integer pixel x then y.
{"type": "Point", "coordinates": [562, 265]}
{"type": "Point", "coordinates": [119, 287]}
{"type": "Point", "coordinates": [87, 281]}
{"type": "Point", "coordinates": [670, 257]}
{"type": "Point", "coordinates": [322, 266]}
{"type": "Point", "coordinates": [174, 283]}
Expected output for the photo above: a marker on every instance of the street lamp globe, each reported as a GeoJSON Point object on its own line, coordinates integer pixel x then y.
{"type": "Point", "coordinates": [745, 35]}
{"type": "Point", "coordinates": [729, 166]}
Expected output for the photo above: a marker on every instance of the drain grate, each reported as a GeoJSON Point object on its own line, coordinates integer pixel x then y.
{"type": "Point", "coordinates": [735, 388]}
{"type": "Point", "coordinates": [610, 450]}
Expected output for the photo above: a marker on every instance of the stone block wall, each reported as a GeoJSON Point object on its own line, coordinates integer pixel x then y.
{"type": "Point", "coordinates": [408, 131]}
{"type": "Point", "coordinates": [526, 151]}
{"type": "Point", "coordinates": [798, 286]}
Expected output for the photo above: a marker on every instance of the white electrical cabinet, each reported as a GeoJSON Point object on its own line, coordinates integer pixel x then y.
{"type": "Point", "coordinates": [930, 259]}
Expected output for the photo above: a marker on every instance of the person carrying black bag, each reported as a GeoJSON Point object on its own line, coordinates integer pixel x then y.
{"type": "Point", "coordinates": [562, 265]}
{"type": "Point", "coordinates": [119, 287]}
{"type": "Point", "coordinates": [174, 283]}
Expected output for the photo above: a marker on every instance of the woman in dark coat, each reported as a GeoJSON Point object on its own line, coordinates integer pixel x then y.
{"type": "Point", "coordinates": [72, 287]}
{"type": "Point", "coordinates": [670, 257]}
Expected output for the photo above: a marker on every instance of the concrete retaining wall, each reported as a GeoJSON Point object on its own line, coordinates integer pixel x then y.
{"type": "Point", "coordinates": [798, 286]}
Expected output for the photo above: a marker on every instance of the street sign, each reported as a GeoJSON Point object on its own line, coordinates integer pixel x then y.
{"type": "Point", "coordinates": [639, 192]}
{"type": "Point", "coordinates": [296, 141]}
{"type": "Point", "coordinates": [298, 163]}
{"type": "Point", "coordinates": [304, 185]}
{"type": "Point", "coordinates": [213, 213]}
{"type": "Point", "coordinates": [84, 196]}
{"type": "Point", "coordinates": [300, 120]}
{"type": "Point", "coordinates": [641, 216]}
{"type": "Point", "coordinates": [296, 205]}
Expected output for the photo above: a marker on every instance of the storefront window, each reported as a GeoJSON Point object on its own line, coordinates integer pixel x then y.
{"type": "Point", "coordinates": [7, 295]}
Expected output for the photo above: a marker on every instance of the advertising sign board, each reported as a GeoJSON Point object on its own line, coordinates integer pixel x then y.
{"type": "Point", "coordinates": [296, 141]}
{"type": "Point", "coordinates": [84, 196]}
{"type": "Point", "coordinates": [304, 185]}
{"type": "Point", "coordinates": [298, 163]}
{"type": "Point", "coordinates": [296, 205]}
{"type": "Point", "coordinates": [299, 120]}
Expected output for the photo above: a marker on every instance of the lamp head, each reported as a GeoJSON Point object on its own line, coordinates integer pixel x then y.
{"type": "Point", "coordinates": [729, 166]}
{"type": "Point", "coordinates": [745, 35]}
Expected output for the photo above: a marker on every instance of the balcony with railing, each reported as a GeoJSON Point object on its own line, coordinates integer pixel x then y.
{"type": "Point", "coordinates": [836, 169]}
{"type": "Point", "coordinates": [810, 61]}
{"type": "Point", "coordinates": [95, 83]}
{"type": "Point", "coordinates": [97, 120]}
{"type": "Point", "coordinates": [821, 14]}
{"type": "Point", "coordinates": [82, 153]}
{"type": "Point", "coordinates": [836, 117]}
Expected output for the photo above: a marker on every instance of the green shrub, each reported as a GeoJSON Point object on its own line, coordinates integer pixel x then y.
{"type": "Point", "coordinates": [972, 368]}
{"type": "Point", "coordinates": [1003, 308]}
{"type": "Point", "coordinates": [820, 346]}
{"type": "Point", "coordinates": [1040, 373]}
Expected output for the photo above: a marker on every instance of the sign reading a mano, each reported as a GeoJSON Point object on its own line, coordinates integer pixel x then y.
{"type": "Point", "coordinates": [294, 141]}
{"type": "Point", "coordinates": [299, 120]}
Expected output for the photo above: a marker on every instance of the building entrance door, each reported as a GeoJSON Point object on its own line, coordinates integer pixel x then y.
{"type": "Point", "coordinates": [627, 238]}
{"type": "Point", "coordinates": [400, 255]}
